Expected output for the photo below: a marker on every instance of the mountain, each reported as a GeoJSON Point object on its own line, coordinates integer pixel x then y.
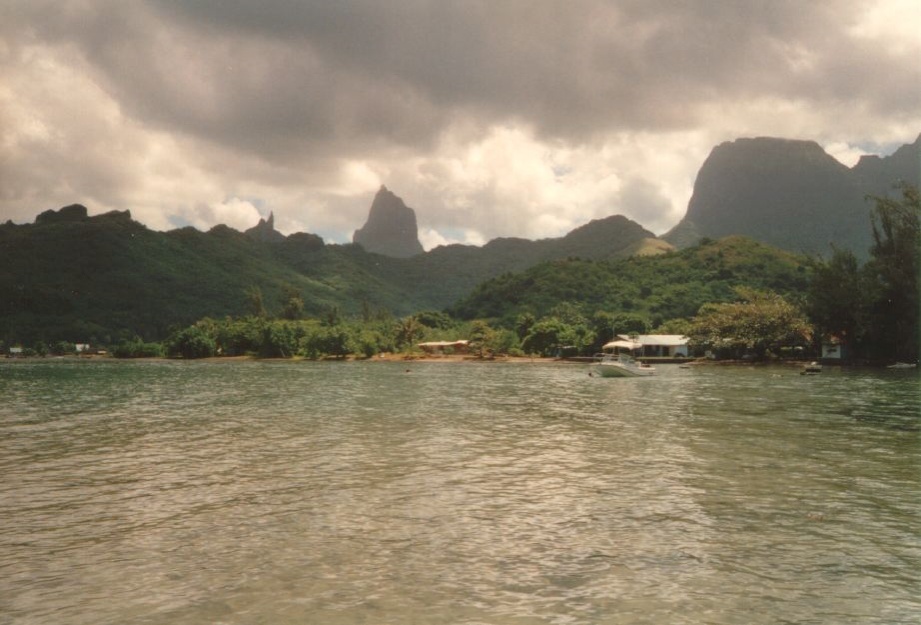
{"type": "Point", "coordinates": [790, 194]}
{"type": "Point", "coordinates": [659, 287]}
{"type": "Point", "coordinates": [391, 228]}
{"type": "Point", "coordinates": [265, 231]}
{"type": "Point", "coordinates": [73, 277]}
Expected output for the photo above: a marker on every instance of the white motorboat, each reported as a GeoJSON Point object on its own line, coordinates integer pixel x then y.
{"type": "Point", "coordinates": [623, 366]}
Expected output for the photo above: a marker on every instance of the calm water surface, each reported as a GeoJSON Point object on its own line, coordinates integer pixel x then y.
{"type": "Point", "coordinates": [340, 493]}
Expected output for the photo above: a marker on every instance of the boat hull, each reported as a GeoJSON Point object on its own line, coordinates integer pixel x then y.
{"type": "Point", "coordinates": [616, 369]}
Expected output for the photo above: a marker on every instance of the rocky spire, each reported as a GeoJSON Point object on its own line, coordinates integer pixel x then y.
{"type": "Point", "coordinates": [265, 231]}
{"type": "Point", "coordinates": [391, 228]}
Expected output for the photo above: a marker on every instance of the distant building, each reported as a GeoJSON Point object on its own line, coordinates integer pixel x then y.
{"type": "Point", "coordinates": [653, 345]}
{"type": "Point", "coordinates": [834, 349]}
{"type": "Point", "coordinates": [15, 351]}
{"type": "Point", "coordinates": [439, 347]}
{"type": "Point", "coordinates": [81, 347]}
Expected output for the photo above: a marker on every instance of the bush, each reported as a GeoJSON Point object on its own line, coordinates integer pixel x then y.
{"type": "Point", "coordinates": [192, 342]}
{"type": "Point", "coordinates": [137, 349]}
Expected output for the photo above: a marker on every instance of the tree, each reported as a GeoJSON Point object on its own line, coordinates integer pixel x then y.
{"type": "Point", "coordinates": [191, 342]}
{"type": "Point", "coordinates": [546, 337]}
{"type": "Point", "coordinates": [60, 348]}
{"type": "Point", "coordinates": [569, 313]}
{"type": "Point", "coordinates": [434, 319]}
{"type": "Point", "coordinates": [523, 324]}
{"type": "Point", "coordinates": [332, 315]}
{"type": "Point", "coordinates": [254, 303]}
{"type": "Point", "coordinates": [292, 304]}
{"type": "Point", "coordinates": [482, 339]}
{"type": "Point", "coordinates": [759, 322]}
{"type": "Point", "coordinates": [336, 341]}
{"type": "Point", "coordinates": [894, 265]}
{"type": "Point", "coordinates": [279, 340]}
{"type": "Point", "coordinates": [327, 341]}
{"type": "Point", "coordinates": [630, 323]}
{"type": "Point", "coordinates": [839, 299]}
{"type": "Point", "coordinates": [674, 326]}
{"type": "Point", "coordinates": [368, 342]}
{"type": "Point", "coordinates": [603, 329]}
{"type": "Point", "coordinates": [409, 330]}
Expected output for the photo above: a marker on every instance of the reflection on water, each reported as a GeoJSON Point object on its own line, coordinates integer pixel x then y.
{"type": "Point", "coordinates": [170, 492]}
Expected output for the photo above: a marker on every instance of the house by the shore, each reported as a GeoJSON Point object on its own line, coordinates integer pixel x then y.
{"type": "Point", "coordinates": [654, 345]}
{"type": "Point", "coordinates": [444, 347]}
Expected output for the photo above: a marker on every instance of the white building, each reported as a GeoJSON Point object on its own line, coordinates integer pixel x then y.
{"type": "Point", "coordinates": [654, 345]}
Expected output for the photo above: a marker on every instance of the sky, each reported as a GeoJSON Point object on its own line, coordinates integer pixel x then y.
{"type": "Point", "coordinates": [490, 118]}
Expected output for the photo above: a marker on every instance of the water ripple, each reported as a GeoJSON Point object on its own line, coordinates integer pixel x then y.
{"type": "Point", "coordinates": [179, 493]}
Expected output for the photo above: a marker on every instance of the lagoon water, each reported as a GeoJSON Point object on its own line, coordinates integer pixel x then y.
{"type": "Point", "coordinates": [456, 493]}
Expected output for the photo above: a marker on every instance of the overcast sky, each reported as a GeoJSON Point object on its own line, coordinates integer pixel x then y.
{"type": "Point", "coordinates": [489, 118]}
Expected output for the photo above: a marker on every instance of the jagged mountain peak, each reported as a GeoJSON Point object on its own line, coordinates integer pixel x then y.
{"type": "Point", "coordinates": [391, 229]}
{"type": "Point", "coordinates": [265, 231]}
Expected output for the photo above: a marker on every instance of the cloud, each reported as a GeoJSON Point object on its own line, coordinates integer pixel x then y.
{"type": "Point", "coordinates": [234, 212]}
{"type": "Point", "coordinates": [490, 119]}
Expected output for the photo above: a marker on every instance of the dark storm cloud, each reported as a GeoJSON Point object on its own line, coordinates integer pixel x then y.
{"type": "Point", "coordinates": [163, 102]}
{"type": "Point", "coordinates": [285, 77]}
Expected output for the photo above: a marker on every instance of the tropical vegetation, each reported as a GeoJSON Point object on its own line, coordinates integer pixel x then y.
{"type": "Point", "coordinates": [732, 297]}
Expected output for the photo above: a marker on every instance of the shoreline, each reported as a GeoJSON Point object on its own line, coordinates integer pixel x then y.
{"type": "Point", "coordinates": [445, 358]}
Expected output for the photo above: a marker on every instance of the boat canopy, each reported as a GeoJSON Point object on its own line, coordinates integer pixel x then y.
{"type": "Point", "coordinates": [622, 344]}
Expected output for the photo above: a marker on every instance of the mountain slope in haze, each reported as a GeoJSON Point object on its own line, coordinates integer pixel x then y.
{"type": "Point", "coordinates": [790, 194]}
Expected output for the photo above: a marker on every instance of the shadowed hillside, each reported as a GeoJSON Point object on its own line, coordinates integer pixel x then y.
{"type": "Point", "coordinates": [791, 194]}
{"type": "Point", "coordinates": [660, 287]}
{"type": "Point", "coordinates": [73, 277]}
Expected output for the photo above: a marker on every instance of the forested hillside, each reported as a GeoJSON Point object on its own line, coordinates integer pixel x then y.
{"type": "Point", "coordinates": [77, 278]}
{"type": "Point", "coordinates": [660, 288]}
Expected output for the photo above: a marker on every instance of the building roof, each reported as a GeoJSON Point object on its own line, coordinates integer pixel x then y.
{"type": "Point", "coordinates": [444, 343]}
{"type": "Point", "coordinates": [622, 343]}
{"type": "Point", "coordinates": [666, 340]}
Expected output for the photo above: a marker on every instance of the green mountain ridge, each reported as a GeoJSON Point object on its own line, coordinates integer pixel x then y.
{"type": "Point", "coordinates": [73, 277]}
{"type": "Point", "coordinates": [661, 287]}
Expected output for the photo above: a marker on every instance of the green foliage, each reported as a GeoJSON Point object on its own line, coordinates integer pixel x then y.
{"type": "Point", "coordinates": [137, 349]}
{"type": "Point", "coordinates": [292, 304]}
{"type": "Point", "coordinates": [70, 277]}
{"type": "Point", "coordinates": [434, 319]}
{"type": "Point", "coordinates": [649, 290]}
{"type": "Point", "coordinates": [760, 321]}
{"type": "Point", "coordinates": [483, 339]}
{"type": "Point", "coordinates": [105, 280]}
{"type": "Point", "coordinates": [254, 302]}
{"type": "Point", "coordinates": [547, 336]}
{"type": "Point", "coordinates": [629, 323]}
{"type": "Point", "coordinates": [874, 309]}
{"type": "Point", "coordinates": [409, 331]}
{"type": "Point", "coordinates": [894, 266]}
{"type": "Point", "coordinates": [191, 342]}
{"type": "Point", "coordinates": [523, 324]}
{"type": "Point", "coordinates": [328, 341]}
{"type": "Point", "coordinates": [837, 298]}
{"type": "Point", "coordinates": [61, 348]}
{"type": "Point", "coordinates": [279, 339]}
{"type": "Point", "coordinates": [674, 326]}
